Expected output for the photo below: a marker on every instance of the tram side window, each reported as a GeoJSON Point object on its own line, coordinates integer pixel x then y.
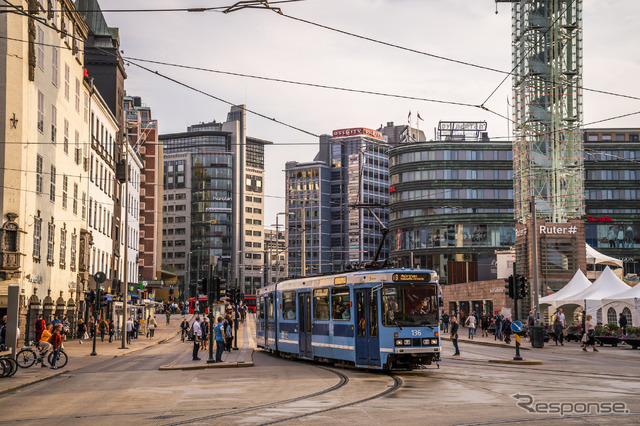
{"type": "Point", "coordinates": [270, 307]}
{"type": "Point", "coordinates": [260, 307]}
{"type": "Point", "coordinates": [321, 304]}
{"type": "Point", "coordinates": [289, 305]}
{"type": "Point", "coordinates": [340, 301]}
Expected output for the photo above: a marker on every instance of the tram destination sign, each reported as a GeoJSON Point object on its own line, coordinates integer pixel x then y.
{"type": "Point", "coordinates": [420, 277]}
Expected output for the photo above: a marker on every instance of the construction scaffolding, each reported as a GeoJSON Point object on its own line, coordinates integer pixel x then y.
{"type": "Point", "coordinates": [547, 109]}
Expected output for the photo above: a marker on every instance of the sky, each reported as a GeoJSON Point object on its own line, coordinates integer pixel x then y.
{"type": "Point", "coordinates": [263, 43]}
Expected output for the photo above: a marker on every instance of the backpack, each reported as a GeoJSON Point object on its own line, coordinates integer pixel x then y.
{"type": "Point", "coordinates": [39, 325]}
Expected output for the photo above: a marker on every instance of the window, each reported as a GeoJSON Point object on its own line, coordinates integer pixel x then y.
{"type": "Point", "coordinates": [52, 187]}
{"type": "Point", "coordinates": [63, 248]}
{"type": "Point", "coordinates": [77, 95]}
{"type": "Point", "coordinates": [40, 112]}
{"type": "Point", "coordinates": [37, 237]}
{"type": "Point", "coordinates": [84, 205]}
{"type": "Point", "coordinates": [249, 233]}
{"type": "Point", "coordinates": [39, 178]}
{"type": "Point", "coordinates": [50, 239]}
{"type": "Point", "coordinates": [78, 151]}
{"type": "Point", "coordinates": [65, 189]}
{"type": "Point", "coordinates": [54, 66]}
{"type": "Point", "coordinates": [90, 210]}
{"type": "Point", "coordinates": [340, 303]}
{"type": "Point", "coordinates": [289, 305]}
{"type": "Point", "coordinates": [65, 142]}
{"type": "Point", "coordinates": [41, 48]}
{"type": "Point", "coordinates": [611, 316]}
{"type": "Point", "coordinates": [67, 71]}
{"type": "Point", "coordinates": [75, 198]}
{"type": "Point", "coordinates": [321, 304]}
{"type": "Point", "coordinates": [54, 120]}
{"type": "Point", "coordinates": [86, 107]}
{"type": "Point", "coordinates": [247, 244]}
{"type": "Point", "coordinates": [72, 262]}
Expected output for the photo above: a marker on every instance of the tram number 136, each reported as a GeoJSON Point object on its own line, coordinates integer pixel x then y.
{"type": "Point", "coordinates": [416, 332]}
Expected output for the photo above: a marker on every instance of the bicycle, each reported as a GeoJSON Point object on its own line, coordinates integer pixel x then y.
{"type": "Point", "coordinates": [62, 359]}
{"type": "Point", "coordinates": [29, 356]}
{"type": "Point", "coordinates": [185, 334]}
{"type": "Point", "coordinates": [8, 366]}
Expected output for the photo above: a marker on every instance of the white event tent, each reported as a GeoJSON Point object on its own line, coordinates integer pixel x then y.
{"type": "Point", "coordinates": [577, 284]}
{"type": "Point", "coordinates": [627, 302]}
{"type": "Point", "coordinates": [605, 286]}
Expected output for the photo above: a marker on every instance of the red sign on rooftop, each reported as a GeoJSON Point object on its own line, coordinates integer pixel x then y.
{"type": "Point", "coordinates": [345, 133]}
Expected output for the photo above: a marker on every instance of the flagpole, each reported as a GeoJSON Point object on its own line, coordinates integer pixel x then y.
{"type": "Point", "coordinates": [418, 127]}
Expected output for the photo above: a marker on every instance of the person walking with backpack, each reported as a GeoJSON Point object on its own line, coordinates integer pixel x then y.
{"type": "Point", "coordinates": [220, 339]}
{"type": "Point", "coordinates": [39, 327]}
{"type": "Point", "coordinates": [102, 327]}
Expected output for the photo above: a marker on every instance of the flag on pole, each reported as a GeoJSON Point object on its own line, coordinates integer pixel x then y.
{"type": "Point", "coordinates": [409, 117]}
{"type": "Point", "coordinates": [419, 118]}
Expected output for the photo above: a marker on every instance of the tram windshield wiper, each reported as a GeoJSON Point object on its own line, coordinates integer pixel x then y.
{"type": "Point", "coordinates": [396, 322]}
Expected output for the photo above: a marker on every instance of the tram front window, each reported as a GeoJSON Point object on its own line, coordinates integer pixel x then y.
{"type": "Point", "coordinates": [410, 305]}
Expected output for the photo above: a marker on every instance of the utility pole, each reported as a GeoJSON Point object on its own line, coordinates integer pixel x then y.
{"type": "Point", "coordinates": [534, 261]}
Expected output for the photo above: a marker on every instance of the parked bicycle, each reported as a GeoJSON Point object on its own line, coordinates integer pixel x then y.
{"type": "Point", "coordinates": [8, 366]}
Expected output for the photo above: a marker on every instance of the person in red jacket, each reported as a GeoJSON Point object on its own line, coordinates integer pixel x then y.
{"type": "Point", "coordinates": [56, 342]}
{"type": "Point", "coordinates": [39, 327]}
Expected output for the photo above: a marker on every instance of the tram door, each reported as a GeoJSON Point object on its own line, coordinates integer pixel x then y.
{"type": "Point", "coordinates": [367, 336]}
{"type": "Point", "coordinates": [267, 318]}
{"type": "Point", "coordinates": [304, 302]}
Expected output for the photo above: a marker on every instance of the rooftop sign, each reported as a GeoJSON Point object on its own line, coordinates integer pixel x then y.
{"type": "Point", "coordinates": [356, 131]}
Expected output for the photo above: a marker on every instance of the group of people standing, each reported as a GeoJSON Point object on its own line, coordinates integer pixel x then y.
{"type": "Point", "coordinates": [222, 330]}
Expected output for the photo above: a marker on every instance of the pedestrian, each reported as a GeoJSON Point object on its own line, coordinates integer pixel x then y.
{"type": "Point", "coordinates": [471, 323]}
{"type": "Point", "coordinates": [228, 332]}
{"type": "Point", "coordinates": [445, 323]}
{"type": "Point", "coordinates": [129, 330]}
{"type": "Point", "coordinates": [531, 321]}
{"type": "Point", "coordinates": [168, 316]}
{"type": "Point", "coordinates": [112, 330]}
{"type": "Point", "coordinates": [243, 312]}
{"type": "Point", "coordinates": [152, 326]}
{"type": "Point", "coordinates": [589, 337]}
{"type": "Point", "coordinates": [102, 328]}
{"type": "Point", "coordinates": [56, 343]}
{"type": "Point", "coordinates": [623, 323]}
{"type": "Point", "coordinates": [454, 335]}
{"type": "Point", "coordinates": [220, 339]}
{"type": "Point", "coordinates": [498, 323]}
{"type": "Point", "coordinates": [56, 321]}
{"type": "Point", "coordinates": [39, 327]}
{"type": "Point", "coordinates": [82, 330]}
{"type": "Point", "coordinates": [204, 329]}
{"type": "Point", "coordinates": [484, 323]}
{"type": "Point", "coordinates": [558, 327]}
{"type": "Point", "coordinates": [197, 334]}
{"type": "Point", "coordinates": [506, 330]}
{"type": "Point", "coordinates": [91, 327]}
{"type": "Point", "coordinates": [184, 328]}
{"type": "Point", "coordinates": [136, 326]}
{"type": "Point", "coordinates": [66, 328]}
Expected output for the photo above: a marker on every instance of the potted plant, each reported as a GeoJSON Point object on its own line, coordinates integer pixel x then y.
{"type": "Point", "coordinates": [574, 332]}
{"type": "Point", "coordinates": [632, 337]}
{"type": "Point", "coordinates": [608, 334]}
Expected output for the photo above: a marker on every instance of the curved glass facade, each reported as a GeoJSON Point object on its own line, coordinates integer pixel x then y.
{"type": "Point", "coordinates": [451, 202]}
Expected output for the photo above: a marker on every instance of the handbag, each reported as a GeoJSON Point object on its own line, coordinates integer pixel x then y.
{"type": "Point", "coordinates": [584, 338]}
{"type": "Point", "coordinates": [85, 336]}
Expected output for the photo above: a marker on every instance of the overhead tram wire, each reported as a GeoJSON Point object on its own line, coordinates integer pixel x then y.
{"type": "Point", "coordinates": [210, 95]}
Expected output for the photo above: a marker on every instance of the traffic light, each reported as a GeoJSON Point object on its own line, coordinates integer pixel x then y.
{"type": "Point", "coordinates": [104, 302]}
{"type": "Point", "coordinates": [510, 286]}
{"type": "Point", "coordinates": [522, 286]}
{"type": "Point", "coordinates": [90, 297]}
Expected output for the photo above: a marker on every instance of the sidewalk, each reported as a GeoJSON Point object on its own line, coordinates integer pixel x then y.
{"type": "Point", "coordinates": [79, 355]}
{"type": "Point", "coordinates": [242, 357]}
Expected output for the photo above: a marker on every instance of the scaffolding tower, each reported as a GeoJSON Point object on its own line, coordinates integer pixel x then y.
{"type": "Point", "coordinates": [547, 109]}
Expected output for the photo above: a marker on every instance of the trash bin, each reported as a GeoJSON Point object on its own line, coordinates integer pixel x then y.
{"type": "Point", "coordinates": [537, 337]}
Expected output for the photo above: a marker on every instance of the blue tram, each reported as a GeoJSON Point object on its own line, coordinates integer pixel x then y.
{"type": "Point", "coordinates": [376, 319]}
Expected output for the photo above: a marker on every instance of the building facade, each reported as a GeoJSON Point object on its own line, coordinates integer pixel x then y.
{"type": "Point", "coordinates": [337, 205]}
{"type": "Point", "coordinates": [45, 106]}
{"type": "Point", "coordinates": [452, 204]}
{"type": "Point", "coordinates": [276, 264]}
{"type": "Point", "coordinates": [612, 193]}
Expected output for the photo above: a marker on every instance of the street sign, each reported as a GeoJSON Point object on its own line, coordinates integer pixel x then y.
{"type": "Point", "coordinates": [100, 277]}
{"type": "Point", "coordinates": [516, 326]}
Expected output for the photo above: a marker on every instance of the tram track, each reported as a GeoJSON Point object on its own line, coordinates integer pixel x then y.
{"type": "Point", "coordinates": [344, 380]}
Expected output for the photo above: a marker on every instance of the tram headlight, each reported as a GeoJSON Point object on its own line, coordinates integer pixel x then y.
{"type": "Point", "coordinates": [426, 342]}
{"type": "Point", "coordinates": [434, 341]}
{"type": "Point", "coordinates": [407, 342]}
{"type": "Point", "coordinates": [398, 342]}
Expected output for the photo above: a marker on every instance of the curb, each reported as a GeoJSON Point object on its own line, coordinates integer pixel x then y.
{"type": "Point", "coordinates": [478, 342]}
{"type": "Point", "coordinates": [33, 382]}
{"type": "Point", "coordinates": [145, 347]}
{"type": "Point", "coordinates": [514, 362]}
{"type": "Point", "coordinates": [204, 366]}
